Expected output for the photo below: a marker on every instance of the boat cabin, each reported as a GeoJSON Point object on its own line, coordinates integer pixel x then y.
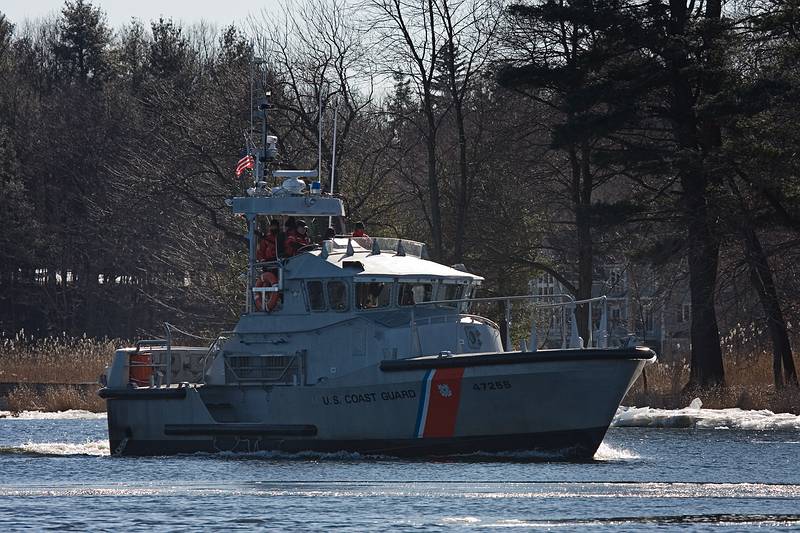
{"type": "Point", "coordinates": [355, 300]}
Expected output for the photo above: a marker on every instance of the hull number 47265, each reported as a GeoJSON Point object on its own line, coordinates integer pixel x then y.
{"type": "Point", "coordinates": [492, 385]}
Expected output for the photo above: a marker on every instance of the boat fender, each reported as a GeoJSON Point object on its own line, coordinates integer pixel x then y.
{"type": "Point", "coordinates": [267, 279]}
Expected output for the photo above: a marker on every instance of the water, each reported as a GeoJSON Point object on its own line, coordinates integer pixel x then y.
{"type": "Point", "coordinates": [55, 473]}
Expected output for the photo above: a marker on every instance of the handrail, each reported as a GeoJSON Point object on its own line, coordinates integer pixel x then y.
{"type": "Point", "coordinates": [512, 298]}
{"type": "Point", "coordinates": [252, 290]}
{"type": "Point", "coordinates": [165, 376]}
{"type": "Point", "coordinates": [575, 341]}
{"type": "Point", "coordinates": [457, 318]}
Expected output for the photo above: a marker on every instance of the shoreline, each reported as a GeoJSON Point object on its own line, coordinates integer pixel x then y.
{"type": "Point", "coordinates": [49, 397]}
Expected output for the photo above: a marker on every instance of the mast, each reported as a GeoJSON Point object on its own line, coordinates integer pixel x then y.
{"type": "Point", "coordinates": [267, 154]}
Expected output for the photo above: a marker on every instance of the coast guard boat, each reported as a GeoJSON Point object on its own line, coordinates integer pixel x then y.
{"type": "Point", "coordinates": [363, 344]}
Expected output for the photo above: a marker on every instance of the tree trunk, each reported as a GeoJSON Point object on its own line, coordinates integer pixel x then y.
{"type": "Point", "coordinates": [706, 362]}
{"type": "Point", "coordinates": [782, 361]}
{"type": "Point", "coordinates": [433, 190]}
{"type": "Point", "coordinates": [463, 189]}
{"type": "Point", "coordinates": [582, 200]}
{"type": "Point", "coordinates": [703, 253]}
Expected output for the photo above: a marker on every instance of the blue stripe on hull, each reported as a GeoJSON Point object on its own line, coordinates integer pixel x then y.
{"type": "Point", "coordinates": [423, 403]}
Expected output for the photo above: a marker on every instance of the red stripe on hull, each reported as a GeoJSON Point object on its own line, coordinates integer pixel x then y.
{"type": "Point", "coordinates": [445, 395]}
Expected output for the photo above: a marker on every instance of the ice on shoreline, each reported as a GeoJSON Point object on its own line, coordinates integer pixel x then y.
{"type": "Point", "coordinates": [695, 417]}
{"type": "Point", "coordinates": [72, 414]}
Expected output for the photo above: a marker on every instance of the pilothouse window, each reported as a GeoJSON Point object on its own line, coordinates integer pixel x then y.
{"type": "Point", "coordinates": [373, 295]}
{"type": "Point", "coordinates": [337, 295]}
{"type": "Point", "coordinates": [414, 293]}
{"type": "Point", "coordinates": [450, 291]}
{"type": "Point", "coordinates": [316, 298]}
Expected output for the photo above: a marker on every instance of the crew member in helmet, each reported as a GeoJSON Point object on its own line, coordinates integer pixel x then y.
{"type": "Point", "coordinates": [359, 230]}
{"type": "Point", "coordinates": [298, 239]}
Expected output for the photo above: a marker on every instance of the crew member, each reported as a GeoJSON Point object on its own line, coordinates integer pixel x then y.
{"type": "Point", "coordinates": [298, 239]}
{"type": "Point", "coordinates": [359, 231]}
{"type": "Point", "coordinates": [270, 244]}
{"type": "Point", "coordinates": [289, 227]}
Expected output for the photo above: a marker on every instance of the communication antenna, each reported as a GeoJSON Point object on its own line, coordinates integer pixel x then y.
{"type": "Point", "coordinates": [319, 132]}
{"type": "Point", "coordinates": [252, 62]}
{"type": "Point", "coordinates": [333, 154]}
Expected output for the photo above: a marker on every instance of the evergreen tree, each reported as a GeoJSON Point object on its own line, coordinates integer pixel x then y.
{"type": "Point", "coordinates": [84, 38]}
{"type": "Point", "coordinates": [565, 57]}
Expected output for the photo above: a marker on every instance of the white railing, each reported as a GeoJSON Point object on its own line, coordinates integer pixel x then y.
{"type": "Point", "coordinates": [161, 356]}
{"type": "Point", "coordinates": [567, 308]}
{"type": "Point", "coordinates": [263, 291]}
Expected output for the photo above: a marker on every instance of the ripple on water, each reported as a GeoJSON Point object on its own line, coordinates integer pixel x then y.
{"type": "Point", "coordinates": [95, 448]}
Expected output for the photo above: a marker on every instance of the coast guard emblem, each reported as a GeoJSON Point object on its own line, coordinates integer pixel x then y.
{"type": "Point", "coordinates": [444, 390]}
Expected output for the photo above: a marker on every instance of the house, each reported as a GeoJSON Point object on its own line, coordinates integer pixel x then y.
{"type": "Point", "coordinates": [652, 306]}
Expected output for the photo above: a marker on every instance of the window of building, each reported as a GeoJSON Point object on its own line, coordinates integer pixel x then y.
{"type": "Point", "coordinates": [316, 298]}
{"type": "Point", "coordinates": [649, 322]}
{"type": "Point", "coordinates": [414, 293]}
{"type": "Point", "coordinates": [545, 285]}
{"type": "Point", "coordinates": [684, 313]}
{"type": "Point", "coordinates": [337, 296]}
{"type": "Point", "coordinates": [373, 294]}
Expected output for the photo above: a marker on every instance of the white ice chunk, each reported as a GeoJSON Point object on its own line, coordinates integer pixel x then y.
{"type": "Point", "coordinates": [696, 417]}
{"type": "Point", "coordinates": [72, 414]}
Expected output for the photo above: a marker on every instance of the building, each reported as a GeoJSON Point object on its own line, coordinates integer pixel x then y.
{"type": "Point", "coordinates": [653, 307]}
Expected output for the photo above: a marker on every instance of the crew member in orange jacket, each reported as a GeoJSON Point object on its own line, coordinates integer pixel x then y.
{"type": "Point", "coordinates": [270, 243]}
{"type": "Point", "coordinates": [298, 239]}
{"type": "Point", "coordinates": [359, 231]}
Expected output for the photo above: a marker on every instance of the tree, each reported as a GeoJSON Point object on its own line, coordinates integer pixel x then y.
{"type": "Point", "coordinates": [757, 154]}
{"type": "Point", "coordinates": [83, 42]}
{"type": "Point", "coordinates": [409, 40]}
{"type": "Point", "coordinates": [564, 59]}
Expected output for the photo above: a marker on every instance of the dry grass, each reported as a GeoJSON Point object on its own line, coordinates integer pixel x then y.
{"type": "Point", "coordinates": [53, 398]}
{"type": "Point", "coordinates": [53, 359]}
{"type": "Point", "coordinates": [749, 380]}
{"type": "Point", "coordinates": [81, 360]}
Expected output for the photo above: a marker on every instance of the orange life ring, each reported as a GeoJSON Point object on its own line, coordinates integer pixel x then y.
{"type": "Point", "coordinates": [267, 279]}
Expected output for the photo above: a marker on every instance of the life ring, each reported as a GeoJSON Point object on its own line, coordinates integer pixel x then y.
{"type": "Point", "coordinates": [267, 279]}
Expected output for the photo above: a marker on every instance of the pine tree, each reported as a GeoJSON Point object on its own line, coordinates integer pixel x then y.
{"type": "Point", "coordinates": [83, 43]}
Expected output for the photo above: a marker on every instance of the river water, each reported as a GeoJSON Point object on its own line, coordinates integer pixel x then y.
{"type": "Point", "coordinates": [728, 470]}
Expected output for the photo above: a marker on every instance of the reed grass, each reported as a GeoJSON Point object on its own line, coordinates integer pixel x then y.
{"type": "Point", "coordinates": [58, 359]}
{"type": "Point", "coordinates": [53, 398]}
{"type": "Point", "coordinates": [748, 378]}
{"type": "Point", "coordinates": [66, 360]}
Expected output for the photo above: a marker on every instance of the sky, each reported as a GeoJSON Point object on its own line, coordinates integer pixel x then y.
{"type": "Point", "coordinates": [118, 12]}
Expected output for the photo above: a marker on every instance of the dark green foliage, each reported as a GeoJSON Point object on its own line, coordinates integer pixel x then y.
{"type": "Point", "coordinates": [83, 42]}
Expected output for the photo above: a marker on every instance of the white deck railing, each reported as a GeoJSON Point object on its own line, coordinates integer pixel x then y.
{"type": "Point", "coordinates": [596, 338]}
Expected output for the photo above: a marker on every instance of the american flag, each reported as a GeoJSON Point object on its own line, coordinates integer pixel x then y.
{"type": "Point", "coordinates": [244, 163]}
